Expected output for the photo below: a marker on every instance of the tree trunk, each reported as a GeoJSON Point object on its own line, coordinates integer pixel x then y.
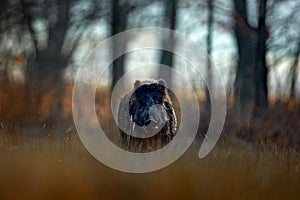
{"type": "Point", "coordinates": [245, 76]}
{"type": "Point", "coordinates": [209, 50]}
{"type": "Point", "coordinates": [261, 71]}
{"type": "Point", "coordinates": [119, 24]}
{"type": "Point", "coordinates": [294, 74]}
{"type": "Point", "coordinates": [45, 71]}
{"type": "Point", "coordinates": [167, 57]}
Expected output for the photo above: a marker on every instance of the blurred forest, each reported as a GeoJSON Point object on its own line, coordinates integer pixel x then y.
{"type": "Point", "coordinates": [254, 44]}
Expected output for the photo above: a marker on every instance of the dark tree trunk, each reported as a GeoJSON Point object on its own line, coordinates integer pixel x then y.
{"type": "Point", "coordinates": [169, 22]}
{"type": "Point", "coordinates": [209, 50]}
{"type": "Point", "coordinates": [245, 76]}
{"type": "Point", "coordinates": [119, 24]}
{"type": "Point", "coordinates": [51, 63]}
{"type": "Point", "coordinates": [45, 71]}
{"type": "Point", "coordinates": [294, 74]}
{"type": "Point", "coordinates": [261, 71]}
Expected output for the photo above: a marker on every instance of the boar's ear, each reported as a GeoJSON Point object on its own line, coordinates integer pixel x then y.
{"type": "Point", "coordinates": [161, 85]}
{"type": "Point", "coordinates": [137, 83]}
{"type": "Point", "coordinates": [161, 82]}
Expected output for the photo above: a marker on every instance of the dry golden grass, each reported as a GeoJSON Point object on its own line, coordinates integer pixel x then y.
{"type": "Point", "coordinates": [38, 169]}
{"type": "Point", "coordinates": [35, 166]}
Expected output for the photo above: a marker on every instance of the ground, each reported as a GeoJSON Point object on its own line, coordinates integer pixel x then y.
{"type": "Point", "coordinates": [251, 161]}
{"type": "Point", "coordinates": [32, 169]}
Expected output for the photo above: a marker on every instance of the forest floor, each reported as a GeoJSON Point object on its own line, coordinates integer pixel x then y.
{"type": "Point", "coordinates": [39, 169]}
{"type": "Point", "coordinates": [259, 160]}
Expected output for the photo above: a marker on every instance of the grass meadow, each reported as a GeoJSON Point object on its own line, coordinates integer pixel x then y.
{"type": "Point", "coordinates": [41, 170]}
{"type": "Point", "coordinates": [33, 165]}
